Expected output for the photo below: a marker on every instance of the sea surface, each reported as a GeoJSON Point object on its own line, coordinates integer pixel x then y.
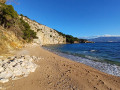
{"type": "Point", "coordinates": [102, 56]}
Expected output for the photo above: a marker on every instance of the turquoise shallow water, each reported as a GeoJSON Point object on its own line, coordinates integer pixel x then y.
{"type": "Point", "coordinates": [102, 56]}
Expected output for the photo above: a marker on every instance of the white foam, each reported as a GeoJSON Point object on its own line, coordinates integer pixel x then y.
{"type": "Point", "coordinates": [102, 66]}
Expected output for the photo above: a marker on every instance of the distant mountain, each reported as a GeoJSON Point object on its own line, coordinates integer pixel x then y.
{"type": "Point", "coordinates": [105, 39]}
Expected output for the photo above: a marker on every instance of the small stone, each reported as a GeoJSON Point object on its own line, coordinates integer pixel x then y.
{"type": "Point", "coordinates": [34, 58]}
{"type": "Point", "coordinates": [20, 59]}
{"type": "Point", "coordinates": [27, 57]}
{"type": "Point", "coordinates": [33, 69]}
{"type": "Point", "coordinates": [1, 56]}
{"type": "Point", "coordinates": [23, 64]}
{"type": "Point", "coordinates": [4, 80]}
{"type": "Point", "coordinates": [8, 75]}
{"type": "Point", "coordinates": [18, 72]}
{"type": "Point", "coordinates": [1, 69]}
{"type": "Point", "coordinates": [13, 64]}
{"type": "Point", "coordinates": [3, 74]}
{"type": "Point", "coordinates": [11, 58]}
{"type": "Point", "coordinates": [30, 59]}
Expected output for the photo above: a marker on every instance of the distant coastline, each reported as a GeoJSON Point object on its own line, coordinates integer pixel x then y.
{"type": "Point", "coordinates": [105, 39]}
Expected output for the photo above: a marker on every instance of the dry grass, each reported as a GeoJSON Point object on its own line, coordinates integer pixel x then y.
{"type": "Point", "coordinates": [8, 41]}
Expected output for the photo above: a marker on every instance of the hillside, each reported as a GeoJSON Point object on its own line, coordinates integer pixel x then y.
{"type": "Point", "coordinates": [16, 30]}
{"type": "Point", "coordinates": [26, 30]}
{"type": "Point", "coordinates": [8, 41]}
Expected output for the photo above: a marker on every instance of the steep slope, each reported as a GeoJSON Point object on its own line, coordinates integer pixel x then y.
{"type": "Point", "coordinates": [16, 30]}
{"type": "Point", "coordinates": [8, 41]}
{"type": "Point", "coordinates": [45, 34]}
{"type": "Point", "coordinates": [13, 30]}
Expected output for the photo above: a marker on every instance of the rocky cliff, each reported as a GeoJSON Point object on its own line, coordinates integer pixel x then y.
{"type": "Point", "coordinates": [15, 30]}
{"type": "Point", "coordinates": [45, 34]}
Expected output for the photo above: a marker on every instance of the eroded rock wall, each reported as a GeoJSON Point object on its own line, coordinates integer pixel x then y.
{"type": "Point", "coordinates": [45, 34]}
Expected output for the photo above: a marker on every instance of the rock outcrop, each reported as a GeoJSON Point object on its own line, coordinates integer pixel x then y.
{"type": "Point", "coordinates": [14, 67]}
{"type": "Point", "coordinates": [45, 34]}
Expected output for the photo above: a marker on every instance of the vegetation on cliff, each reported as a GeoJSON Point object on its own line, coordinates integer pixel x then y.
{"type": "Point", "coordinates": [71, 39]}
{"type": "Point", "coordinates": [28, 34]}
{"type": "Point", "coordinates": [7, 15]}
{"type": "Point", "coordinates": [10, 20]}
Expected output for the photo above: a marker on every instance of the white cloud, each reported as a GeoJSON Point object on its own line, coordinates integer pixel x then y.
{"type": "Point", "coordinates": [106, 35]}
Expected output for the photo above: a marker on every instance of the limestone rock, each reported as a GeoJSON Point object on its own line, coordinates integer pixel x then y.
{"type": "Point", "coordinates": [45, 34]}
{"type": "Point", "coordinates": [13, 67]}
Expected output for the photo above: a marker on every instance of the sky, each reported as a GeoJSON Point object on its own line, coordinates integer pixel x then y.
{"type": "Point", "coordinates": [80, 18]}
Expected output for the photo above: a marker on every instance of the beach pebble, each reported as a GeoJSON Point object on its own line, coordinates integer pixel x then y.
{"type": "Point", "coordinates": [34, 58]}
{"type": "Point", "coordinates": [27, 57]}
{"type": "Point", "coordinates": [1, 69]}
{"type": "Point", "coordinates": [4, 80]}
{"type": "Point", "coordinates": [1, 56]}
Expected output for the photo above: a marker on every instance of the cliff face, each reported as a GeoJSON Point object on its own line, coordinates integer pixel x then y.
{"type": "Point", "coordinates": [17, 30]}
{"type": "Point", "coordinates": [45, 34]}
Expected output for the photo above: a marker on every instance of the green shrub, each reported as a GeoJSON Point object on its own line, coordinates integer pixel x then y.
{"type": "Point", "coordinates": [83, 40]}
{"type": "Point", "coordinates": [71, 39]}
{"type": "Point", "coordinates": [7, 15]}
{"type": "Point", "coordinates": [39, 30]}
{"type": "Point", "coordinates": [21, 15]}
{"type": "Point", "coordinates": [9, 10]}
{"type": "Point", "coordinates": [60, 33]}
{"type": "Point", "coordinates": [8, 24]}
{"type": "Point", "coordinates": [28, 34]}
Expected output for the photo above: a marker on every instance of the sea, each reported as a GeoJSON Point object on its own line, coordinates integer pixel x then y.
{"type": "Point", "coordinates": [102, 56]}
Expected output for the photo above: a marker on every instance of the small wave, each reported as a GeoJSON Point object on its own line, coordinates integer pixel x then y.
{"type": "Point", "coordinates": [104, 65]}
{"type": "Point", "coordinates": [92, 58]}
{"type": "Point", "coordinates": [97, 64]}
{"type": "Point", "coordinates": [93, 50]}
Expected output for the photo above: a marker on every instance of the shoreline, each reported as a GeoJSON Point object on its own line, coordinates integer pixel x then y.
{"type": "Point", "coordinates": [105, 67]}
{"type": "Point", "coordinates": [56, 72]}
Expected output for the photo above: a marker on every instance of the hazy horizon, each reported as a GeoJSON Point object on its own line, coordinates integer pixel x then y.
{"type": "Point", "coordinates": [90, 37]}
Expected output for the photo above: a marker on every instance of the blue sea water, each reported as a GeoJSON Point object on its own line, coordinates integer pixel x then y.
{"type": "Point", "coordinates": [102, 56]}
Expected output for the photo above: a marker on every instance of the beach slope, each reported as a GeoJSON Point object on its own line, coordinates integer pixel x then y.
{"type": "Point", "coordinates": [58, 73]}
